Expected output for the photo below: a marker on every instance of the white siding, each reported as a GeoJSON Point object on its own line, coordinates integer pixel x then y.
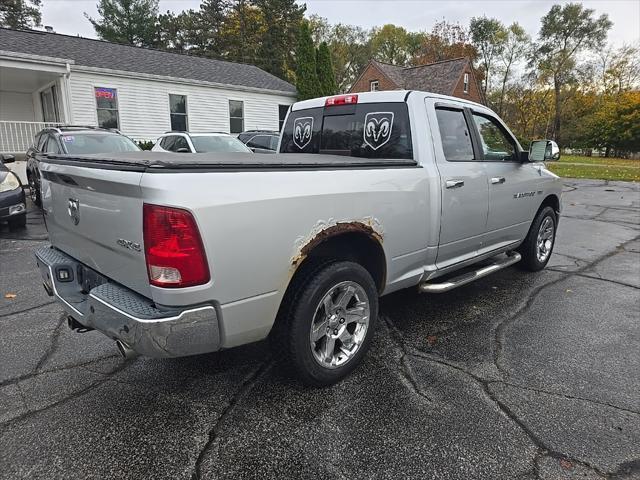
{"type": "Point", "coordinates": [16, 107]}
{"type": "Point", "coordinates": [144, 105]}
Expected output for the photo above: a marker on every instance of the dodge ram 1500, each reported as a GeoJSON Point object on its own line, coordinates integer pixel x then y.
{"type": "Point", "coordinates": [172, 255]}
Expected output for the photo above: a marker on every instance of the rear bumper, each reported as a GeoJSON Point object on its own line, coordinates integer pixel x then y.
{"type": "Point", "coordinates": [123, 315]}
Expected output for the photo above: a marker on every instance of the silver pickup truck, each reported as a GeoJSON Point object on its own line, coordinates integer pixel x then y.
{"type": "Point", "coordinates": [181, 254]}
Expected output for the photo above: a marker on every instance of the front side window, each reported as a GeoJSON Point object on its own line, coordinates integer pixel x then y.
{"type": "Point", "coordinates": [454, 135]}
{"type": "Point", "coordinates": [369, 130]}
{"type": "Point", "coordinates": [178, 111]}
{"type": "Point", "coordinates": [374, 85]}
{"type": "Point", "coordinates": [496, 145]}
{"type": "Point", "coordinates": [282, 114]}
{"type": "Point", "coordinates": [107, 107]}
{"type": "Point", "coordinates": [236, 116]}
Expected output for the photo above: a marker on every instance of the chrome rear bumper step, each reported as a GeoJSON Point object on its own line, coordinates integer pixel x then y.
{"type": "Point", "coordinates": [468, 277]}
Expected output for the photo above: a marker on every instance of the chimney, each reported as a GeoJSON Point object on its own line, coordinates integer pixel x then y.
{"type": "Point", "coordinates": [49, 29]}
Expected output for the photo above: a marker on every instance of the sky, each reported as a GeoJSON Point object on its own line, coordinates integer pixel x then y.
{"type": "Point", "coordinates": [67, 16]}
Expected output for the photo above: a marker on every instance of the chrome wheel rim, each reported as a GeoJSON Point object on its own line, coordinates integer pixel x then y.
{"type": "Point", "coordinates": [544, 242]}
{"type": "Point", "coordinates": [32, 189]}
{"type": "Point", "coordinates": [339, 325]}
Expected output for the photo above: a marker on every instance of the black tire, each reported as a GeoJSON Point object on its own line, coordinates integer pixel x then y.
{"type": "Point", "coordinates": [290, 337]}
{"type": "Point", "coordinates": [19, 221]}
{"type": "Point", "coordinates": [528, 248]}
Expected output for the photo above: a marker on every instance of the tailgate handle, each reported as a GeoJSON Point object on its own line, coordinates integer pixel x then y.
{"type": "Point", "coordinates": [454, 183]}
{"type": "Point", "coordinates": [496, 180]}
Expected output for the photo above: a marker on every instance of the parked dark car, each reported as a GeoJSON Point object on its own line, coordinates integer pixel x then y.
{"type": "Point", "coordinates": [260, 141]}
{"type": "Point", "coordinates": [72, 140]}
{"type": "Point", "coordinates": [13, 207]}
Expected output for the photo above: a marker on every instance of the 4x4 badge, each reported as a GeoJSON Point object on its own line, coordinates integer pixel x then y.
{"type": "Point", "coordinates": [73, 208]}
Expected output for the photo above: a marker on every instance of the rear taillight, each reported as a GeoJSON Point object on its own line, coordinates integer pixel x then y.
{"type": "Point", "coordinates": [341, 100]}
{"type": "Point", "coordinates": [173, 248]}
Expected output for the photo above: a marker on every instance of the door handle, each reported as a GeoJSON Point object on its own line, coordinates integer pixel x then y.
{"type": "Point", "coordinates": [496, 180]}
{"type": "Point", "coordinates": [454, 183]}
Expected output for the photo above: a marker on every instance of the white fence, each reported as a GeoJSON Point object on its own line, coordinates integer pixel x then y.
{"type": "Point", "coordinates": [17, 137]}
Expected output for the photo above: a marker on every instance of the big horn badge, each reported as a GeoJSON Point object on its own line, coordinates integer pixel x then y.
{"type": "Point", "coordinates": [302, 130]}
{"type": "Point", "coordinates": [377, 128]}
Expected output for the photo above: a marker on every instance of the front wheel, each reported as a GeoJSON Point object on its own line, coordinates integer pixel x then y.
{"type": "Point", "coordinates": [538, 245]}
{"type": "Point", "coordinates": [327, 323]}
{"type": "Point", "coordinates": [34, 189]}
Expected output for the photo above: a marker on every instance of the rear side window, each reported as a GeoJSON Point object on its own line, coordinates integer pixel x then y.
{"type": "Point", "coordinates": [369, 130]}
{"type": "Point", "coordinates": [259, 141]}
{"type": "Point", "coordinates": [167, 142]}
{"type": "Point", "coordinates": [455, 135]}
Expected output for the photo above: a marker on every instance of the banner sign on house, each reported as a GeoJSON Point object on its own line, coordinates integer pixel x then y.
{"type": "Point", "coordinates": [106, 93]}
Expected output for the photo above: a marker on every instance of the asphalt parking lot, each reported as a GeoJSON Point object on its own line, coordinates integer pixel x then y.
{"type": "Point", "coordinates": [518, 375]}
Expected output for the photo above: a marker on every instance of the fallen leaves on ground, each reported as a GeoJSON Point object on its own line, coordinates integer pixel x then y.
{"type": "Point", "coordinates": [10, 295]}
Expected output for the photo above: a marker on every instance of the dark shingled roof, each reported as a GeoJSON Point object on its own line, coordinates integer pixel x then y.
{"type": "Point", "coordinates": [440, 77]}
{"type": "Point", "coordinates": [101, 54]}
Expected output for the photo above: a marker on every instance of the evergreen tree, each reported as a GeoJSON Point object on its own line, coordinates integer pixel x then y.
{"type": "Point", "coordinates": [20, 14]}
{"type": "Point", "coordinates": [130, 22]}
{"type": "Point", "coordinates": [324, 68]}
{"type": "Point", "coordinates": [306, 72]}
{"type": "Point", "coordinates": [282, 22]}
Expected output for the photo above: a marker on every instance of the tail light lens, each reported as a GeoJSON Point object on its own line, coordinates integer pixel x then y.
{"type": "Point", "coordinates": [173, 248]}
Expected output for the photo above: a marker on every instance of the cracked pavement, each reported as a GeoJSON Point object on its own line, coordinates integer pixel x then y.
{"type": "Point", "coordinates": [517, 375]}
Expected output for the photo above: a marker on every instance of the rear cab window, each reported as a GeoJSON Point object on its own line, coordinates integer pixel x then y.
{"type": "Point", "coordinates": [368, 130]}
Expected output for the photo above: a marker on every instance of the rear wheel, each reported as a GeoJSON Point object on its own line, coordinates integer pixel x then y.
{"type": "Point", "coordinates": [327, 323]}
{"type": "Point", "coordinates": [537, 247]}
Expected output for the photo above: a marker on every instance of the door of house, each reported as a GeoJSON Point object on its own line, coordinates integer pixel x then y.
{"type": "Point", "coordinates": [49, 101]}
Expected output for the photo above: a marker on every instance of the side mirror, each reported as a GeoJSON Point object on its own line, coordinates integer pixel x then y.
{"type": "Point", "coordinates": [544, 151]}
{"type": "Point", "coordinates": [183, 150]}
{"type": "Point", "coordinates": [6, 158]}
{"type": "Point", "coordinates": [253, 149]}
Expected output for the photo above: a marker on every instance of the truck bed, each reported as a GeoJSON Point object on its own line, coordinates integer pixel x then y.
{"type": "Point", "coordinates": [155, 161]}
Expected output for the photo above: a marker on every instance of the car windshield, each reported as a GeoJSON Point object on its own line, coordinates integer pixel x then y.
{"type": "Point", "coordinates": [218, 143]}
{"type": "Point", "coordinates": [97, 143]}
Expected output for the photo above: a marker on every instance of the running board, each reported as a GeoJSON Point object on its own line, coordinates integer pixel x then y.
{"type": "Point", "coordinates": [468, 277]}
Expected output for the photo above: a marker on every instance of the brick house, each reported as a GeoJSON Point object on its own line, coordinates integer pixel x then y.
{"type": "Point", "coordinates": [449, 77]}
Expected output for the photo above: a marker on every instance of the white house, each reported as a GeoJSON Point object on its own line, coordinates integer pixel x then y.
{"type": "Point", "coordinates": [48, 79]}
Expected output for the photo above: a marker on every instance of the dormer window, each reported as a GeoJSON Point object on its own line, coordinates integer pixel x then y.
{"type": "Point", "coordinates": [375, 85]}
{"type": "Point", "coordinates": [466, 83]}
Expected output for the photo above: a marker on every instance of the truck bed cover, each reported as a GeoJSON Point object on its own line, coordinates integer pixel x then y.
{"type": "Point", "coordinates": [162, 161]}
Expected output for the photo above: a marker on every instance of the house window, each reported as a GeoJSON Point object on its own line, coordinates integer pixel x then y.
{"type": "Point", "coordinates": [282, 114]}
{"type": "Point", "coordinates": [466, 83]}
{"type": "Point", "coordinates": [178, 110]}
{"type": "Point", "coordinates": [375, 85]}
{"type": "Point", "coordinates": [107, 107]}
{"type": "Point", "coordinates": [236, 116]}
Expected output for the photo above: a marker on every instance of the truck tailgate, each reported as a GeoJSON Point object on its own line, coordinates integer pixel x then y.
{"type": "Point", "coordinates": [95, 216]}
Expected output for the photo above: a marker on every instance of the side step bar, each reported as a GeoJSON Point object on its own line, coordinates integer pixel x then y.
{"type": "Point", "coordinates": [468, 277]}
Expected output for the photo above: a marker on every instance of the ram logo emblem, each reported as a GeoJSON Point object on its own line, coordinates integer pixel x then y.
{"type": "Point", "coordinates": [377, 128]}
{"type": "Point", "coordinates": [302, 131]}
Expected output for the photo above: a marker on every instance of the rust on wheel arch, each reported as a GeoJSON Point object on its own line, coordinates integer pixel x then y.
{"type": "Point", "coordinates": [304, 246]}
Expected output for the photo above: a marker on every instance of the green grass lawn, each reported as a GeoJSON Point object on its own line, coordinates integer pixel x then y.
{"type": "Point", "coordinates": [596, 167]}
